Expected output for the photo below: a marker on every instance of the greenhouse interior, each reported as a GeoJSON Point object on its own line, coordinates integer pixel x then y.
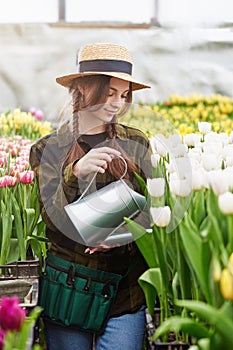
{"type": "Point", "coordinates": [116, 175]}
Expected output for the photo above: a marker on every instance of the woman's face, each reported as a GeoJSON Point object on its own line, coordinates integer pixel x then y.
{"type": "Point", "coordinates": [114, 100]}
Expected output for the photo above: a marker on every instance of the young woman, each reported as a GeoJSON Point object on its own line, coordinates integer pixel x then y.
{"type": "Point", "coordinates": [64, 163]}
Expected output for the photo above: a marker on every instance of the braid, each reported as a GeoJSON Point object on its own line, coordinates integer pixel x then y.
{"type": "Point", "coordinates": [75, 150]}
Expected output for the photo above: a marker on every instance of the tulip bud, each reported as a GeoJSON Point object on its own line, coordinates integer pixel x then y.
{"type": "Point", "coordinates": [156, 186]}
{"type": "Point", "coordinates": [12, 314]}
{"type": "Point", "coordinates": [160, 144]}
{"type": "Point", "coordinates": [204, 127]}
{"type": "Point", "coordinates": [225, 203]}
{"type": "Point", "coordinates": [39, 115]}
{"type": "Point", "coordinates": [155, 158]}
{"type": "Point", "coordinates": [191, 139]}
{"type": "Point", "coordinates": [226, 284]}
{"type": "Point", "coordinates": [32, 110]}
{"type": "Point", "coordinates": [26, 177]}
{"type": "Point", "coordinates": [161, 216]}
{"type": "Point", "coordinates": [216, 270]}
{"type": "Point", "coordinates": [181, 187]}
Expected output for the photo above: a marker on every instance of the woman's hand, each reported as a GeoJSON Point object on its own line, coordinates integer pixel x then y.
{"type": "Point", "coordinates": [101, 248]}
{"type": "Point", "coordinates": [96, 160]}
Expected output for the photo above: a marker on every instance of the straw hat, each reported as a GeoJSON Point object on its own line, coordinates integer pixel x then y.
{"type": "Point", "coordinates": [106, 59]}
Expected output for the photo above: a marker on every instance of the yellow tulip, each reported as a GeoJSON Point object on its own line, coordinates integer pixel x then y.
{"type": "Point", "coordinates": [226, 284]}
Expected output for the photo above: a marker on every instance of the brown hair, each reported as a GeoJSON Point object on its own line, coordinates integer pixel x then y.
{"type": "Point", "coordinates": [98, 86]}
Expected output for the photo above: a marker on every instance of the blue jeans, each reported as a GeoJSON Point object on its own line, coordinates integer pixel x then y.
{"type": "Point", "coordinates": [124, 332]}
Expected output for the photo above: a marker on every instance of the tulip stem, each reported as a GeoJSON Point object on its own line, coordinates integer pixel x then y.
{"type": "Point", "coordinates": [230, 232]}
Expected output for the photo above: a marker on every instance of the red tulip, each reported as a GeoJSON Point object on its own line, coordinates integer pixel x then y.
{"type": "Point", "coordinates": [12, 314]}
{"type": "Point", "coordinates": [26, 177]}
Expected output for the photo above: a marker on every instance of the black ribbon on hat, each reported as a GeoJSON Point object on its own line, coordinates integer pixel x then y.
{"type": "Point", "coordinates": [105, 66]}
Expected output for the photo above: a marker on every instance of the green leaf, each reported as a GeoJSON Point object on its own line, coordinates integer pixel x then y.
{"type": "Point", "coordinates": [151, 284]}
{"type": "Point", "coordinates": [199, 209]}
{"type": "Point", "coordinates": [161, 254]}
{"type": "Point", "coordinates": [36, 246]}
{"type": "Point", "coordinates": [142, 183]}
{"type": "Point", "coordinates": [222, 323]}
{"type": "Point", "coordinates": [198, 254]}
{"type": "Point", "coordinates": [181, 324]}
{"type": "Point", "coordinates": [19, 228]}
{"type": "Point", "coordinates": [29, 214]}
{"type": "Point", "coordinates": [6, 234]}
{"type": "Point", "coordinates": [144, 240]}
{"type": "Point", "coordinates": [14, 251]}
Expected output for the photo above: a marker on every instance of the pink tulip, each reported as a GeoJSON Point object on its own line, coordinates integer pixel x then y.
{"type": "Point", "coordinates": [12, 314]}
{"type": "Point", "coordinates": [39, 115]}
{"type": "Point", "coordinates": [2, 336]}
{"type": "Point", "coordinates": [26, 177]}
{"type": "Point", "coordinates": [25, 142]}
{"type": "Point", "coordinates": [2, 161]}
{"type": "Point", "coordinates": [18, 138]}
{"type": "Point", "coordinates": [8, 181]}
{"type": "Point", "coordinates": [32, 110]}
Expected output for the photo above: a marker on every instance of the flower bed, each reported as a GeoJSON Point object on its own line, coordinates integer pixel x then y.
{"type": "Point", "coordinates": [180, 114]}
{"type": "Point", "coordinates": [189, 249]}
{"type": "Point", "coordinates": [28, 125]}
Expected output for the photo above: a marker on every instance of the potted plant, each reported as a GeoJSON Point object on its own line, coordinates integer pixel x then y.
{"type": "Point", "coordinates": [22, 231]}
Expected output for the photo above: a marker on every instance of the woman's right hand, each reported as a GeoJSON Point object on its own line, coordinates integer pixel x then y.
{"type": "Point", "coordinates": [96, 160]}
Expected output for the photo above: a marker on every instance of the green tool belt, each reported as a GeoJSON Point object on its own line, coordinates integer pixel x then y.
{"type": "Point", "coordinates": [77, 296]}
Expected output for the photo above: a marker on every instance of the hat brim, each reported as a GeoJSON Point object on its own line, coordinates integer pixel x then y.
{"type": "Point", "coordinates": [66, 80]}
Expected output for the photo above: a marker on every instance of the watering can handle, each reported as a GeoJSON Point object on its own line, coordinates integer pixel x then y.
{"type": "Point", "coordinates": [92, 180]}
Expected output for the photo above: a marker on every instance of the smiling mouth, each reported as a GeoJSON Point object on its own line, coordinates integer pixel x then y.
{"type": "Point", "coordinates": [111, 112]}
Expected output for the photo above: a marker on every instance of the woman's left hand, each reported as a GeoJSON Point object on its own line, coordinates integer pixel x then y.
{"type": "Point", "coordinates": [101, 248]}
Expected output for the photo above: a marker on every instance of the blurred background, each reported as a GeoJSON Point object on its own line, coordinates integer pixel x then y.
{"type": "Point", "coordinates": [178, 47]}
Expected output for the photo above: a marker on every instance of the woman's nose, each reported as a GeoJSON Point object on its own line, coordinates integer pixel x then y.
{"type": "Point", "coordinates": [117, 101]}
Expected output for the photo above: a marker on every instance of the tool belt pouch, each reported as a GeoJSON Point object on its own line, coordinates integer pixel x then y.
{"type": "Point", "coordinates": [77, 296]}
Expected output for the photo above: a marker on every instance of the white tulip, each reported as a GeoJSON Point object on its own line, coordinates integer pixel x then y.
{"type": "Point", "coordinates": [195, 153]}
{"type": "Point", "coordinates": [212, 136]}
{"type": "Point", "coordinates": [211, 162]}
{"type": "Point", "coordinates": [192, 139]}
{"type": "Point", "coordinates": [204, 127]}
{"type": "Point", "coordinates": [225, 202]}
{"type": "Point", "coordinates": [174, 140]}
{"type": "Point", "coordinates": [212, 147]}
{"type": "Point", "coordinates": [218, 181]}
{"type": "Point", "coordinates": [229, 161]}
{"type": "Point", "coordinates": [231, 137]}
{"type": "Point", "coordinates": [156, 187]}
{"type": "Point", "coordinates": [161, 216]}
{"type": "Point", "coordinates": [160, 145]}
{"type": "Point", "coordinates": [155, 158]}
{"type": "Point", "coordinates": [227, 151]}
{"type": "Point", "coordinates": [228, 173]}
{"type": "Point", "coordinates": [198, 180]}
{"type": "Point", "coordinates": [181, 187]}
{"type": "Point", "coordinates": [182, 167]}
{"type": "Point", "coordinates": [179, 150]}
